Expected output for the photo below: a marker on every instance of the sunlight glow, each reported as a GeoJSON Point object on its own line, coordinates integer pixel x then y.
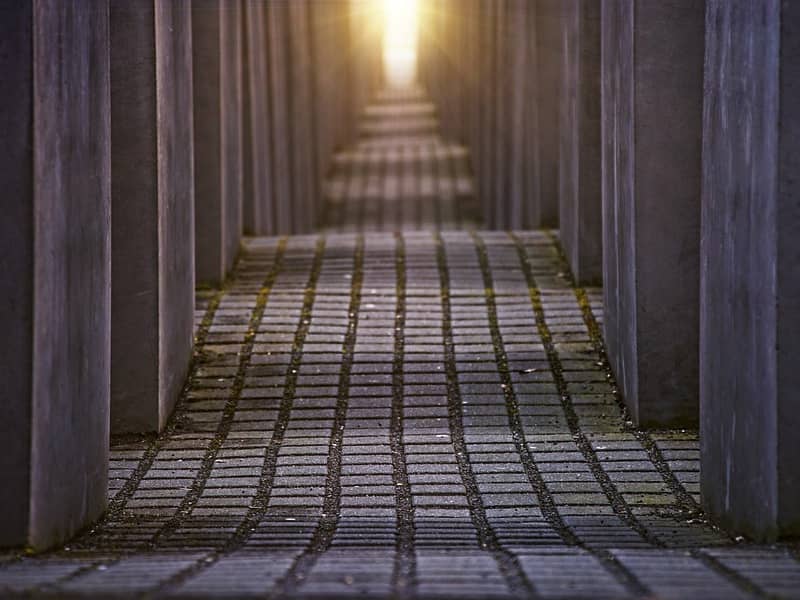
{"type": "Point", "coordinates": [400, 42]}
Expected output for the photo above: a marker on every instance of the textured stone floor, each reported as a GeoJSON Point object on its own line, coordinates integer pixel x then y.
{"type": "Point", "coordinates": [418, 414]}
{"type": "Point", "coordinates": [401, 174]}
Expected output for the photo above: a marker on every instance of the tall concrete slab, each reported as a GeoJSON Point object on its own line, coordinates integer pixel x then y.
{"type": "Point", "coordinates": [332, 92]}
{"type": "Point", "coordinates": [218, 148]}
{"type": "Point", "coordinates": [55, 269]}
{"type": "Point", "coordinates": [487, 101]}
{"type": "Point", "coordinates": [527, 138]}
{"type": "Point", "coordinates": [652, 115]}
{"type": "Point", "coordinates": [750, 273]}
{"type": "Point", "coordinates": [579, 135]}
{"type": "Point", "coordinates": [152, 178]}
{"type": "Point", "coordinates": [501, 95]}
{"type": "Point", "coordinates": [518, 111]}
{"type": "Point", "coordinates": [302, 125]}
{"type": "Point", "coordinates": [547, 38]}
{"type": "Point", "coordinates": [257, 159]}
{"type": "Point", "coordinates": [280, 130]}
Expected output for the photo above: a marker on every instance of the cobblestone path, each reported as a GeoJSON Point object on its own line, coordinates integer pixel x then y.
{"type": "Point", "coordinates": [417, 414]}
{"type": "Point", "coordinates": [401, 174]}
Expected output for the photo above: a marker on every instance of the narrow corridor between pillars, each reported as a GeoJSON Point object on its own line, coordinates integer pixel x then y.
{"type": "Point", "coordinates": [403, 406]}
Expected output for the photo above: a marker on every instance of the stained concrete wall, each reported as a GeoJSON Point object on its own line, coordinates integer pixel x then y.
{"type": "Point", "coordinates": [493, 68]}
{"type": "Point", "coordinates": [258, 161]}
{"type": "Point", "coordinates": [153, 210]}
{"type": "Point", "coordinates": [750, 291]}
{"type": "Point", "coordinates": [547, 23]}
{"type": "Point", "coordinates": [526, 176]}
{"type": "Point", "coordinates": [484, 154]}
{"type": "Point", "coordinates": [652, 112]}
{"type": "Point", "coordinates": [281, 139]}
{"type": "Point", "coordinates": [366, 52]}
{"type": "Point", "coordinates": [579, 133]}
{"type": "Point", "coordinates": [218, 145]}
{"type": "Point", "coordinates": [332, 53]}
{"type": "Point", "coordinates": [300, 68]}
{"type": "Point", "coordinates": [302, 120]}
{"type": "Point", "coordinates": [55, 269]}
{"type": "Point", "coordinates": [501, 101]}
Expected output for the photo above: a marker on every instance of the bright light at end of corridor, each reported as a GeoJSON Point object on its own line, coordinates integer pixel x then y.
{"type": "Point", "coordinates": [400, 42]}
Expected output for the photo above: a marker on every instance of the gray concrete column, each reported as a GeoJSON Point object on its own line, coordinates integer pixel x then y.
{"type": "Point", "coordinates": [522, 157]}
{"type": "Point", "coordinates": [280, 130]}
{"type": "Point", "coordinates": [579, 133]}
{"type": "Point", "coordinates": [750, 274]}
{"type": "Point", "coordinates": [501, 95]}
{"type": "Point", "coordinates": [217, 76]}
{"type": "Point", "coordinates": [258, 162]}
{"type": "Point", "coordinates": [652, 113]}
{"type": "Point", "coordinates": [474, 78]}
{"type": "Point", "coordinates": [153, 210]}
{"type": "Point", "coordinates": [301, 120]}
{"type": "Point", "coordinates": [331, 78]}
{"type": "Point", "coordinates": [487, 106]}
{"type": "Point", "coordinates": [325, 99]}
{"type": "Point", "coordinates": [55, 268]}
{"type": "Point", "coordinates": [547, 27]}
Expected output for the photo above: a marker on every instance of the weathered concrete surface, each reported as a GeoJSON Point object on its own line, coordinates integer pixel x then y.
{"type": "Point", "coordinates": [652, 113]}
{"type": "Point", "coordinates": [302, 120]}
{"type": "Point", "coordinates": [55, 269]}
{"type": "Point", "coordinates": [488, 109]}
{"type": "Point", "coordinates": [280, 131]}
{"type": "Point", "coordinates": [499, 200]}
{"type": "Point", "coordinates": [547, 17]}
{"type": "Point", "coordinates": [258, 162]}
{"type": "Point", "coordinates": [579, 134]}
{"type": "Point", "coordinates": [519, 76]}
{"type": "Point", "coordinates": [218, 149]}
{"type": "Point", "coordinates": [333, 94]}
{"type": "Point", "coordinates": [153, 210]}
{"type": "Point", "coordinates": [750, 290]}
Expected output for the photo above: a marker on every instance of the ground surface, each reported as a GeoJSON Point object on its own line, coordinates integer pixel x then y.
{"type": "Point", "coordinates": [424, 414]}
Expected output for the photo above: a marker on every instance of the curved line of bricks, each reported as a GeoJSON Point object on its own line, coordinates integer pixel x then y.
{"type": "Point", "coordinates": [190, 499]}
{"type": "Point", "coordinates": [515, 577]}
{"type": "Point", "coordinates": [260, 500]}
{"type": "Point", "coordinates": [404, 573]}
{"type": "Point", "coordinates": [117, 504]}
{"type": "Point", "coordinates": [546, 502]}
{"type": "Point", "coordinates": [326, 527]}
{"type": "Point", "coordinates": [615, 499]}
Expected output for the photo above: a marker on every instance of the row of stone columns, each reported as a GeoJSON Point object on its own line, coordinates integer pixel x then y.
{"type": "Point", "coordinates": [143, 137]}
{"type": "Point", "coordinates": [366, 40]}
{"type": "Point", "coordinates": [663, 132]}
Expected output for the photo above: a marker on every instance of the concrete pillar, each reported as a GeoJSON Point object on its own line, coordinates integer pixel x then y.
{"type": "Point", "coordinates": [217, 76]}
{"type": "Point", "coordinates": [280, 130]}
{"type": "Point", "coordinates": [153, 210]}
{"type": "Point", "coordinates": [259, 200]}
{"type": "Point", "coordinates": [55, 269]}
{"type": "Point", "coordinates": [488, 103]}
{"type": "Point", "coordinates": [652, 115]}
{"type": "Point", "coordinates": [547, 37]}
{"type": "Point", "coordinates": [325, 100]}
{"type": "Point", "coordinates": [522, 148]}
{"type": "Point", "coordinates": [304, 200]}
{"type": "Point", "coordinates": [579, 131]}
{"type": "Point", "coordinates": [331, 79]}
{"type": "Point", "coordinates": [750, 273]}
{"type": "Point", "coordinates": [474, 79]}
{"type": "Point", "coordinates": [501, 93]}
